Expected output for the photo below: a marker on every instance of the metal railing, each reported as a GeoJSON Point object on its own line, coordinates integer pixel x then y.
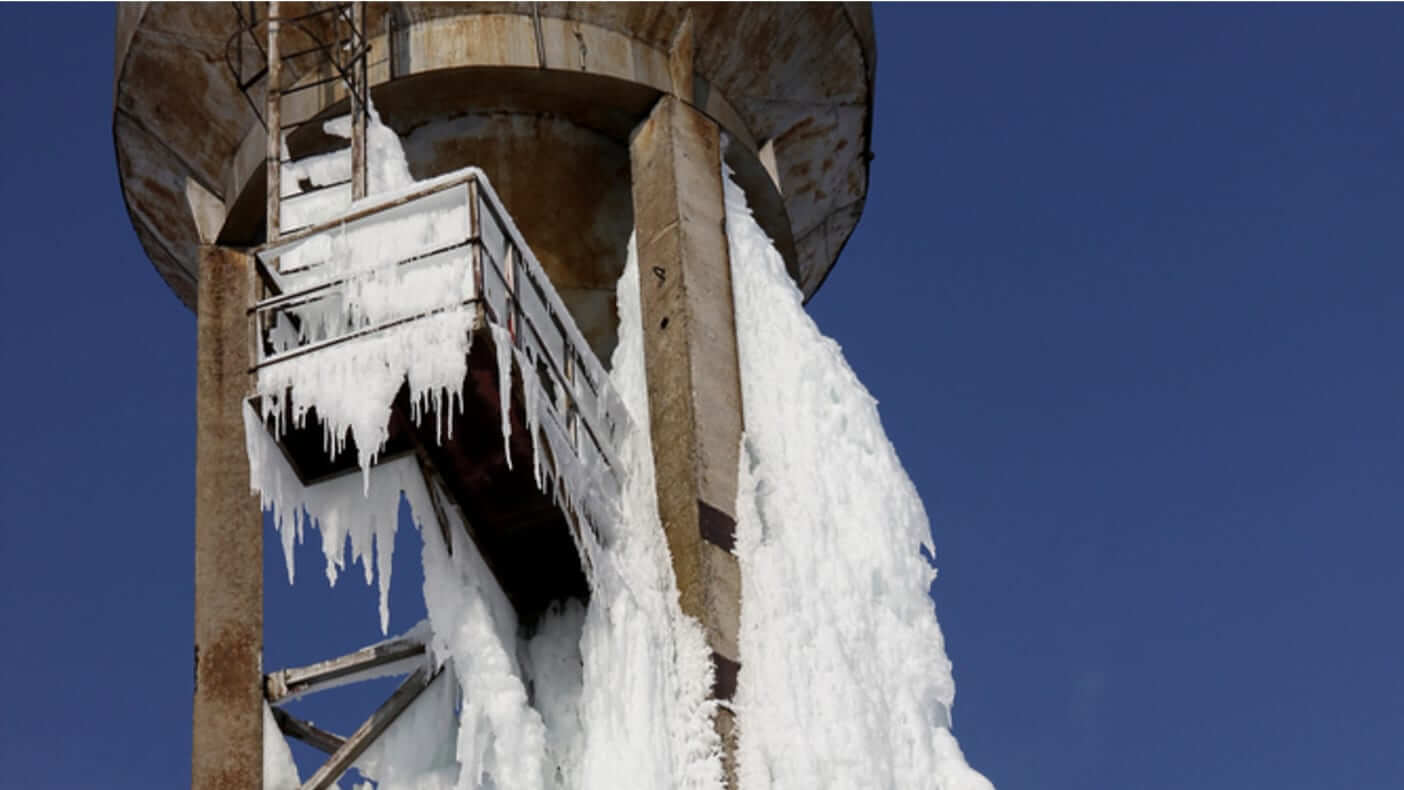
{"type": "Point", "coordinates": [452, 229]}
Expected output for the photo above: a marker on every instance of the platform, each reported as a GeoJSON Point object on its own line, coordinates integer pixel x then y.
{"type": "Point", "coordinates": [524, 531]}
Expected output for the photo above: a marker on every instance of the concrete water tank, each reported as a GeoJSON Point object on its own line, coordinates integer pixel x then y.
{"type": "Point", "coordinates": [591, 120]}
{"type": "Point", "coordinates": [542, 96]}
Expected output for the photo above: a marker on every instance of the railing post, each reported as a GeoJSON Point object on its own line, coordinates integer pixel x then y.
{"type": "Point", "coordinates": [513, 303]}
{"type": "Point", "coordinates": [572, 409]}
{"type": "Point", "coordinates": [475, 234]}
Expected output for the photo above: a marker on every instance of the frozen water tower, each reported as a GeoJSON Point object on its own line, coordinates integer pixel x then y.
{"type": "Point", "coordinates": [558, 129]}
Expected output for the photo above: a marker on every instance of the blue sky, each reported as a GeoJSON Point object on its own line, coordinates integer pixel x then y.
{"type": "Point", "coordinates": [1128, 290]}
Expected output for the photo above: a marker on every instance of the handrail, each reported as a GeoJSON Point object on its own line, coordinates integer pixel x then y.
{"type": "Point", "coordinates": [513, 293]}
{"type": "Point", "coordinates": [280, 300]}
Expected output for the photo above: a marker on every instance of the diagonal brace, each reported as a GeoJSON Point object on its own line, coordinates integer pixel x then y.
{"type": "Point", "coordinates": [366, 734]}
{"type": "Point", "coordinates": [307, 732]}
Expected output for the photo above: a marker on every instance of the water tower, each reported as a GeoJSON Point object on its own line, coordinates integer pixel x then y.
{"type": "Point", "coordinates": [591, 121]}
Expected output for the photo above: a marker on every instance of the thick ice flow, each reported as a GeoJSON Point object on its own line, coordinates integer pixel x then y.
{"type": "Point", "coordinates": [501, 740]}
{"type": "Point", "coordinates": [610, 696]}
{"type": "Point", "coordinates": [647, 670]}
{"type": "Point", "coordinates": [844, 679]}
{"type": "Point", "coordinates": [344, 509]}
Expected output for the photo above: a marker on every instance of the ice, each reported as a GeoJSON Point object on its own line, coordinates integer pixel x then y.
{"type": "Point", "coordinates": [353, 384]}
{"type": "Point", "coordinates": [611, 696]}
{"type": "Point", "coordinates": [328, 175]}
{"type": "Point", "coordinates": [279, 770]}
{"type": "Point", "coordinates": [844, 679]}
{"type": "Point", "coordinates": [345, 511]}
{"type": "Point", "coordinates": [501, 741]}
{"type": "Point", "coordinates": [644, 704]}
{"type": "Point", "coordinates": [555, 680]}
{"type": "Point", "coordinates": [417, 751]}
{"type": "Point", "coordinates": [502, 342]}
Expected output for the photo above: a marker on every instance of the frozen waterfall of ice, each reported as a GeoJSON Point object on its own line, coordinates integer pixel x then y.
{"type": "Point", "coordinates": [844, 678]}
{"type": "Point", "coordinates": [613, 695]}
{"type": "Point", "coordinates": [279, 770]}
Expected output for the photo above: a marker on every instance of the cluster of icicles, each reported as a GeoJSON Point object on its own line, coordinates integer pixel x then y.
{"type": "Point", "coordinates": [844, 680]}
{"type": "Point", "coordinates": [618, 689]}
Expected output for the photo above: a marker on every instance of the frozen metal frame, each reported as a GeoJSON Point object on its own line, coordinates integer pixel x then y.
{"type": "Point", "coordinates": [510, 290]}
{"type": "Point", "coordinates": [513, 293]}
{"type": "Point", "coordinates": [337, 42]}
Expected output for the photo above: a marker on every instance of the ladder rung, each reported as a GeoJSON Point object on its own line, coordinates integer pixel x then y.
{"type": "Point", "coordinates": [318, 83]}
{"type": "Point", "coordinates": [314, 190]}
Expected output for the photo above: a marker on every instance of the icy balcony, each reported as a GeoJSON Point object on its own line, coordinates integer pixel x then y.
{"type": "Point", "coordinates": [428, 304]}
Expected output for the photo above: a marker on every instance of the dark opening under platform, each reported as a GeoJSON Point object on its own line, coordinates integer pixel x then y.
{"type": "Point", "coordinates": [522, 534]}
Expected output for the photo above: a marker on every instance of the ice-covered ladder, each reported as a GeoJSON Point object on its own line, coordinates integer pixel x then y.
{"type": "Point", "coordinates": [290, 55]}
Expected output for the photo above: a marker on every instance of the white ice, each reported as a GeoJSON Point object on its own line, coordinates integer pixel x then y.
{"type": "Point", "coordinates": [606, 697]}
{"type": "Point", "coordinates": [844, 678]}
{"type": "Point", "coordinates": [345, 510]}
{"type": "Point", "coordinates": [279, 770]}
{"type": "Point", "coordinates": [647, 670]}
{"type": "Point", "coordinates": [610, 696]}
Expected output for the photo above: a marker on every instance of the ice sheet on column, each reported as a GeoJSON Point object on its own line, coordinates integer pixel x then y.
{"type": "Point", "coordinates": [844, 679]}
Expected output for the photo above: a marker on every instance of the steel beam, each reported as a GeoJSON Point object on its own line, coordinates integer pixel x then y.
{"type": "Point", "coordinates": [307, 732]}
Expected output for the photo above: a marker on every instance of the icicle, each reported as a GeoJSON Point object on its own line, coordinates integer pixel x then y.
{"type": "Point", "coordinates": [279, 770]}
{"type": "Point", "coordinates": [531, 400]}
{"type": "Point", "coordinates": [501, 738]}
{"type": "Point", "coordinates": [275, 483]}
{"type": "Point", "coordinates": [620, 688]}
{"type": "Point", "coordinates": [502, 339]}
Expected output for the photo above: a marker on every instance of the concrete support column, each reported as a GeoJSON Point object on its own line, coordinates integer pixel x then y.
{"type": "Point", "coordinates": [227, 752]}
{"type": "Point", "coordinates": [694, 382]}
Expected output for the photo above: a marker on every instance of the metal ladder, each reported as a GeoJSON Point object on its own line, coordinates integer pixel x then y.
{"type": "Point", "coordinates": [325, 45]}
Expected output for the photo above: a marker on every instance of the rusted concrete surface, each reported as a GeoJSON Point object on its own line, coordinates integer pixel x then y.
{"type": "Point", "coordinates": [694, 379]}
{"type": "Point", "coordinates": [795, 76]}
{"type": "Point", "coordinates": [546, 98]}
{"type": "Point", "coordinates": [571, 202]}
{"type": "Point", "coordinates": [227, 752]}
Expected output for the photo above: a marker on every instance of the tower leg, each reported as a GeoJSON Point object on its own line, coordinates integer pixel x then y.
{"type": "Point", "coordinates": [227, 753]}
{"type": "Point", "coordinates": [694, 383]}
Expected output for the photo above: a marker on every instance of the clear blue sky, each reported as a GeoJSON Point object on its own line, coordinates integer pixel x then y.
{"type": "Point", "coordinates": [1128, 288]}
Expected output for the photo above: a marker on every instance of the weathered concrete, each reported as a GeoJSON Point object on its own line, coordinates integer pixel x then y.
{"type": "Point", "coordinates": [571, 202]}
{"type": "Point", "coordinates": [694, 383]}
{"type": "Point", "coordinates": [560, 104]}
{"type": "Point", "coordinates": [796, 77]}
{"type": "Point", "coordinates": [227, 752]}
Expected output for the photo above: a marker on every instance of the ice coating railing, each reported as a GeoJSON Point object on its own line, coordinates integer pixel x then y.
{"type": "Point", "coordinates": [439, 245]}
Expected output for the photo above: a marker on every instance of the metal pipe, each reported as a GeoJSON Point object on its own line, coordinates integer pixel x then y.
{"type": "Point", "coordinates": [273, 119]}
